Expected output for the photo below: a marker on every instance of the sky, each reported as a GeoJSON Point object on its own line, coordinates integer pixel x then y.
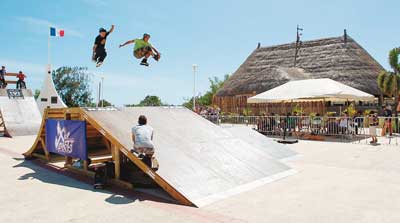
{"type": "Point", "coordinates": [217, 35]}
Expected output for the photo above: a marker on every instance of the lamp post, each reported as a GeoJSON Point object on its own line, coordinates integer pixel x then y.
{"type": "Point", "coordinates": [100, 89]}
{"type": "Point", "coordinates": [194, 86]}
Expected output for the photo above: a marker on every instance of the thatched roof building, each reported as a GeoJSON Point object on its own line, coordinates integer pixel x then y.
{"type": "Point", "coordinates": [338, 58]}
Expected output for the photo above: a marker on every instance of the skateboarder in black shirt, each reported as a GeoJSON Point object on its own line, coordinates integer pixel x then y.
{"type": "Point", "coordinates": [99, 51]}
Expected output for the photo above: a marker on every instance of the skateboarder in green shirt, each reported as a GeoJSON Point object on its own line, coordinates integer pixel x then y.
{"type": "Point", "coordinates": [143, 49]}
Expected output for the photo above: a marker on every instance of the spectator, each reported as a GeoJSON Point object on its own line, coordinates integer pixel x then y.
{"type": "Point", "coordinates": [358, 121]}
{"type": "Point", "coordinates": [344, 123]}
{"type": "Point", "coordinates": [388, 121]}
{"type": "Point", "coordinates": [21, 83]}
{"type": "Point", "coordinates": [2, 77]}
{"type": "Point", "coordinates": [373, 122]}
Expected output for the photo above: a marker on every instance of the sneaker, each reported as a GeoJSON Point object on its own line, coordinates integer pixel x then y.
{"type": "Point", "coordinates": [99, 64]}
{"type": "Point", "coordinates": [144, 63]}
{"type": "Point", "coordinates": [156, 57]}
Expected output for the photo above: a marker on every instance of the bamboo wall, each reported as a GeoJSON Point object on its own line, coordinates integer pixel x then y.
{"type": "Point", "coordinates": [237, 104]}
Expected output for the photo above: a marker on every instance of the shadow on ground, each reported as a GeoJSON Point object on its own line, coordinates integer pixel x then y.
{"type": "Point", "coordinates": [64, 178]}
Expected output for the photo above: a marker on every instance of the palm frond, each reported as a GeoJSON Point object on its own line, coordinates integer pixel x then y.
{"type": "Point", "coordinates": [394, 59]}
{"type": "Point", "coordinates": [381, 79]}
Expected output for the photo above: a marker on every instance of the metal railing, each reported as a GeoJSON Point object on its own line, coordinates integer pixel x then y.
{"type": "Point", "coordinates": [343, 128]}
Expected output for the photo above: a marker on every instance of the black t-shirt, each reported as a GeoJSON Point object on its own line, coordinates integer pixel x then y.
{"type": "Point", "coordinates": [101, 41]}
{"type": "Point", "coordinates": [388, 112]}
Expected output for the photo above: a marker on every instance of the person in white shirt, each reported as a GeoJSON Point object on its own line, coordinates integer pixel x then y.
{"type": "Point", "coordinates": [142, 137]}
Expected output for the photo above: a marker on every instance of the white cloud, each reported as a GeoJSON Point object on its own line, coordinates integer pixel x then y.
{"type": "Point", "coordinates": [42, 23]}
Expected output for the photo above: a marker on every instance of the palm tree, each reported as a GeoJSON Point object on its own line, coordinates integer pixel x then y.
{"type": "Point", "coordinates": [389, 81]}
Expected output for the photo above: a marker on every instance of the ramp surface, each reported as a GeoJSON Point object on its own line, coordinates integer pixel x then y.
{"type": "Point", "coordinates": [202, 161]}
{"type": "Point", "coordinates": [21, 115]}
{"type": "Point", "coordinates": [260, 141]}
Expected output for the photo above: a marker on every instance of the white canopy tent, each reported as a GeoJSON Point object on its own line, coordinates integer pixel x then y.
{"type": "Point", "coordinates": [323, 89]}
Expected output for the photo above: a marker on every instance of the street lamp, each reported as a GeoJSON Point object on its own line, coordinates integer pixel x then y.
{"type": "Point", "coordinates": [194, 86]}
{"type": "Point", "coordinates": [100, 89]}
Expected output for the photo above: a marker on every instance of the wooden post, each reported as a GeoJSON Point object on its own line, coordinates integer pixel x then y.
{"type": "Point", "coordinates": [117, 161]}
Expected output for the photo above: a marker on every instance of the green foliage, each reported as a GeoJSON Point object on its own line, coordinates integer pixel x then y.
{"type": "Point", "coordinates": [394, 60]}
{"type": "Point", "coordinates": [104, 103]}
{"type": "Point", "coordinates": [298, 109]}
{"type": "Point", "coordinates": [206, 99]}
{"type": "Point", "coordinates": [247, 112]}
{"type": "Point", "coordinates": [381, 80]}
{"type": "Point", "coordinates": [351, 110]}
{"type": "Point", "coordinates": [37, 93]}
{"type": "Point", "coordinates": [149, 100]}
{"type": "Point", "coordinates": [389, 82]}
{"type": "Point", "coordinates": [73, 86]}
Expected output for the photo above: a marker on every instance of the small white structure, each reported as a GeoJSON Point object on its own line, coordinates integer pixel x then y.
{"type": "Point", "coordinates": [48, 96]}
{"type": "Point", "coordinates": [311, 89]}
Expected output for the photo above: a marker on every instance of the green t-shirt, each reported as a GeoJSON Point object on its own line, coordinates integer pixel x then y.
{"type": "Point", "coordinates": [140, 43]}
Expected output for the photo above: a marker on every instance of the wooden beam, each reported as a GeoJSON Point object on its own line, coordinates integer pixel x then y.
{"type": "Point", "coordinates": [117, 161]}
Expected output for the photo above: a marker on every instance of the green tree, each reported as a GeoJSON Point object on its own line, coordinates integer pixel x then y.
{"type": "Point", "coordinates": [206, 99]}
{"type": "Point", "coordinates": [104, 103]}
{"type": "Point", "coordinates": [389, 81]}
{"type": "Point", "coordinates": [149, 100]}
{"type": "Point", "coordinates": [73, 86]}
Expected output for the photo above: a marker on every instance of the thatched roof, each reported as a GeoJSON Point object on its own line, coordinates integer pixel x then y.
{"type": "Point", "coordinates": [334, 58]}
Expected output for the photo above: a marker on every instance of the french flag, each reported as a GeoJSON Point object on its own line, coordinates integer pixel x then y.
{"type": "Point", "coordinates": [56, 32]}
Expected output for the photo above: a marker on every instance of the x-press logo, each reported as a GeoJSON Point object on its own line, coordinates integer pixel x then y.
{"type": "Point", "coordinates": [63, 141]}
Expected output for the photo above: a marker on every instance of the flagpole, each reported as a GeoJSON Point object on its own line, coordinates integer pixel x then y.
{"type": "Point", "coordinates": [48, 52]}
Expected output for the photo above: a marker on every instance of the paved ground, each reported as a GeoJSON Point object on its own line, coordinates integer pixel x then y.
{"type": "Point", "coordinates": [336, 183]}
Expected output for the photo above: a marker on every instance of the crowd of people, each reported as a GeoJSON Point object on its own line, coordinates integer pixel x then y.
{"type": "Point", "coordinates": [358, 123]}
{"type": "Point", "coordinates": [20, 76]}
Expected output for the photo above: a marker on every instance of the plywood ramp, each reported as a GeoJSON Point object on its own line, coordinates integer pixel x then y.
{"type": "Point", "coordinates": [198, 160]}
{"type": "Point", "coordinates": [21, 116]}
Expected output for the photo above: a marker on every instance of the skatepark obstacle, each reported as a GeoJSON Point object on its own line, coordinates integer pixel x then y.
{"type": "Point", "coordinates": [200, 162]}
{"type": "Point", "coordinates": [19, 112]}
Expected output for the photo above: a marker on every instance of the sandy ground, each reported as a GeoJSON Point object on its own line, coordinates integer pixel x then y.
{"type": "Point", "coordinates": [336, 182]}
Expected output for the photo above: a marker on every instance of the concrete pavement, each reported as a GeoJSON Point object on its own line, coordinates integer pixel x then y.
{"type": "Point", "coordinates": [337, 182]}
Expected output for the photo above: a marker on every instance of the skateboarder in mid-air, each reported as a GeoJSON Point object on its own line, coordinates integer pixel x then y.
{"type": "Point", "coordinates": [99, 50]}
{"type": "Point", "coordinates": [143, 49]}
{"type": "Point", "coordinates": [143, 147]}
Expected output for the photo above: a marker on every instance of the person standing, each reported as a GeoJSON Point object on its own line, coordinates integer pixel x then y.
{"type": "Point", "coordinates": [2, 77]}
{"type": "Point", "coordinates": [373, 123]}
{"type": "Point", "coordinates": [99, 50]}
{"type": "Point", "coordinates": [388, 121]}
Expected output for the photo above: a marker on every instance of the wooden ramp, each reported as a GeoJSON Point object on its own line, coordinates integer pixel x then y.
{"type": "Point", "coordinates": [19, 111]}
{"type": "Point", "coordinates": [200, 162]}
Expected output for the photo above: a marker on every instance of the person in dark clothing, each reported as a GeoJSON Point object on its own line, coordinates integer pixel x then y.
{"type": "Point", "coordinates": [387, 127]}
{"type": "Point", "coordinates": [3, 72]}
{"type": "Point", "coordinates": [99, 50]}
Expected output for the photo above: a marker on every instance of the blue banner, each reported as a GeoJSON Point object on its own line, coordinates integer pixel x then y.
{"type": "Point", "coordinates": [66, 137]}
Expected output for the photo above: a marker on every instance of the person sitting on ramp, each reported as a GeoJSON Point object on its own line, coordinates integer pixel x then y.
{"type": "Point", "coordinates": [143, 49]}
{"type": "Point", "coordinates": [21, 80]}
{"type": "Point", "coordinates": [143, 146]}
{"type": "Point", "coordinates": [99, 50]}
